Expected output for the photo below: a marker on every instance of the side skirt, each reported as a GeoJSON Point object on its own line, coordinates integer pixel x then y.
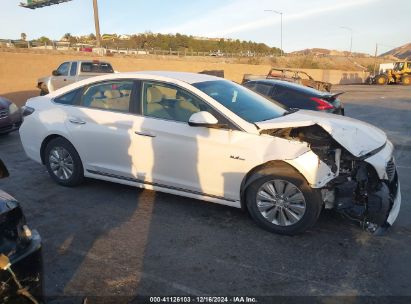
{"type": "Point", "coordinates": [162, 188]}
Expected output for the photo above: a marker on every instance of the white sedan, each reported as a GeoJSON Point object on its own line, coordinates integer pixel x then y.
{"type": "Point", "coordinates": [211, 139]}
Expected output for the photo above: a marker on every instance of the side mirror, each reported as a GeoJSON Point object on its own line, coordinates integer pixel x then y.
{"type": "Point", "coordinates": [203, 119]}
{"type": "Point", "coordinates": [3, 170]}
{"type": "Point", "coordinates": [55, 73]}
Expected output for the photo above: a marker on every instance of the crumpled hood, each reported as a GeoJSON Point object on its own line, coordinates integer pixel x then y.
{"type": "Point", "coordinates": [359, 138]}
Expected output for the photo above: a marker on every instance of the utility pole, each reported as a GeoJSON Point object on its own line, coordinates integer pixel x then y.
{"type": "Point", "coordinates": [351, 31]}
{"type": "Point", "coordinates": [281, 16]}
{"type": "Point", "coordinates": [97, 23]}
{"type": "Point", "coordinates": [375, 58]}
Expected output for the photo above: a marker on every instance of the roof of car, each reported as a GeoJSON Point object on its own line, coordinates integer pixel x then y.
{"type": "Point", "coordinates": [182, 76]}
{"type": "Point", "coordinates": [291, 85]}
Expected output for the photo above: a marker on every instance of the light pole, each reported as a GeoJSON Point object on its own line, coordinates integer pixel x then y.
{"type": "Point", "coordinates": [97, 23]}
{"type": "Point", "coordinates": [351, 31]}
{"type": "Point", "coordinates": [281, 16]}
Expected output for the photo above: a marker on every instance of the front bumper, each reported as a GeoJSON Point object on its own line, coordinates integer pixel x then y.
{"type": "Point", "coordinates": [28, 267]}
{"type": "Point", "coordinates": [395, 209]}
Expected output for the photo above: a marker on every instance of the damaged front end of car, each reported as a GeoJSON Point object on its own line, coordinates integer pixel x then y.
{"type": "Point", "coordinates": [364, 188]}
{"type": "Point", "coordinates": [21, 266]}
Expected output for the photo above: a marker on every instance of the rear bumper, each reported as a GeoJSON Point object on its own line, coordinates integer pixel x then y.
{"type": "Point", "coordinates": [28, 267]}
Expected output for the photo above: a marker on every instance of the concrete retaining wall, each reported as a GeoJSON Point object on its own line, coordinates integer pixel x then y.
{"type": "Point", "coordinates": [337, 76]}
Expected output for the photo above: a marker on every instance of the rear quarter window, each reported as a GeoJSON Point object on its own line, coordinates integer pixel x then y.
{"type": "Point", "coordinates": [96, 67]}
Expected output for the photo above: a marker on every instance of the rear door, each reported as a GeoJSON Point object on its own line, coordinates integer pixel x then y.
{"type": "Point", "coordinates": [72, 77]}
{"type": "Point", "coordinates": [100, 127]}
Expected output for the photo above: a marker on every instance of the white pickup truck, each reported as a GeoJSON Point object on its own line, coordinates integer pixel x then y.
{"type": "Point", "coordinates": [72, 71]}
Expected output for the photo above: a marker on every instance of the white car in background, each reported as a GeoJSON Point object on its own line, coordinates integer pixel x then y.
{"type": "Point", "coordinates": [208, 138]}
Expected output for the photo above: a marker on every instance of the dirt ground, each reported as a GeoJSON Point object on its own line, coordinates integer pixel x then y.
{"type": "Point", "coordinates": [19, 71]}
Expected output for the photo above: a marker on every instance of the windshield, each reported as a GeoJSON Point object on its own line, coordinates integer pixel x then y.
{"type": "Point", "coordinates": [250, 106]}
{"type": "Point", "coordinates": [399, 66]}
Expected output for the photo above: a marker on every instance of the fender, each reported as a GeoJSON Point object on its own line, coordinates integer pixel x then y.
{"type": "Point", "coordinates": [271, 167]}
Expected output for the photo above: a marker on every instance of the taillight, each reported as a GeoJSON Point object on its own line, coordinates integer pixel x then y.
{"type": "Point", "coordinates": [322, 104]}
{"type": "Point", "coordinates": [27, 111]}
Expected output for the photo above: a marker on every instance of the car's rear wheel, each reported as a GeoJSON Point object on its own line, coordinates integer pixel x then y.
{"type": "Point", "coordinates": [284, 203]}
{"type": "Point", "coordinates": [63, 163]}
{"type": "Point", "coordinates": [406, 80]}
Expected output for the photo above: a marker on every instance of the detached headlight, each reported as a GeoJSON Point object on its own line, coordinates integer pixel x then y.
{"type": "Point", "coordinates": [13, 108]}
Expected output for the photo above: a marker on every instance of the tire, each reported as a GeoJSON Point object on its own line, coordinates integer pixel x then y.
{"type": "Point", "coordinates": [63, 163]}
{"type": "Point", "coordinates": [406, 80]}
{"type": "Point", "coordinates": [290, 177]}
{"type": "Point", "coordinates": [43, 89]}
{"type": "Point", "coordinates": [381, 80]}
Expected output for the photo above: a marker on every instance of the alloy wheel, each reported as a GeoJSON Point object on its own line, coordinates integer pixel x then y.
{"type": "Point", "coordinates": [281, 202]}
{"type": "Point", "coordinates": [61, 163]}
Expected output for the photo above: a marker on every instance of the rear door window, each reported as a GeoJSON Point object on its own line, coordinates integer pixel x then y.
{"type": "Point", "coordinates": [292, 98]}
{"type": "Point", "coordinates": [110, 95]}
{"type": "Point", "coordinates": [262, 88]}
{"type": "Point", "coordinates": [73, 69]}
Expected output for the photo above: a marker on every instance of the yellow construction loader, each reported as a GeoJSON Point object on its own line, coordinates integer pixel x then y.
{"type": "Point", "coordinates": [401, 73]}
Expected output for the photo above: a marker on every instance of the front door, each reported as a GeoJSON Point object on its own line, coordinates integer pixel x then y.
{"type": "Point", "coordinates": [61, 80]}
{"type": "Point", "coordinates": [168, 152]}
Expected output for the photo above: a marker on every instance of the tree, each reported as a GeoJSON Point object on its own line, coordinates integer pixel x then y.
{"type": "Point", "coordinates": [43, 39]}
{"type": "Point", "coordinates": [92, 37]}
{"type": "Point", "coordinates": [67, 36]}
{"type": "Point", "coordinates": [23, 36]}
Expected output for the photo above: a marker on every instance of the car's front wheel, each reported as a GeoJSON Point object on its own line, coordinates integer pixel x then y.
{"type": "Point", "coordinates": [283, 203]}
{"type": "Point", "coordinates": [63, 163]}
{"type": "Point", "coordinates": [381, 80]}
{"type": "Point", "coordinates": [43, 89]}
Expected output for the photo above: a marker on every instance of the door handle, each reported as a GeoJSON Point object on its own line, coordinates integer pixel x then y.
{"type": "Point", "coordinates": [77, 121]}
{"type": "Point", "coordinates": [146, 134]}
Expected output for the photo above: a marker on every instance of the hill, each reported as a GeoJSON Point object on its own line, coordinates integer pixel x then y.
{"type": "Point", "coordinates": [402, 52]}
{"type": "Point", "coordinates": [318, 52]}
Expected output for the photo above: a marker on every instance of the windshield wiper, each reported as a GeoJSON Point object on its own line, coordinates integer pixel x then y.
{"type": "Point", "coordinates": [291, 111]}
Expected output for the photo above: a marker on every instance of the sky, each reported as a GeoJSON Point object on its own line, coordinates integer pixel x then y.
{"type": "Point", "coordinates": [306, 23]}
